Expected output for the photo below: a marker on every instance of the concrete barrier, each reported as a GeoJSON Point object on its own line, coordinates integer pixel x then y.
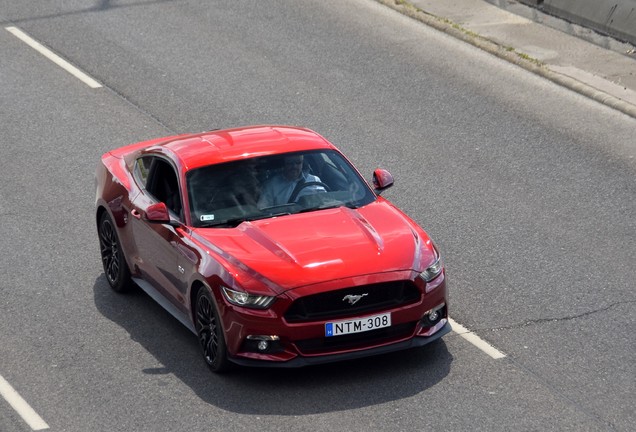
{"type": "Point", "coordinates": [616, 18]}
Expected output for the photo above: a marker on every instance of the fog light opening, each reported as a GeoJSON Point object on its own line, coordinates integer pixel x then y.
{"type": "Point", "coordinates": [263, 345]}
{"type": "Point", "coordinates": [433, 316]}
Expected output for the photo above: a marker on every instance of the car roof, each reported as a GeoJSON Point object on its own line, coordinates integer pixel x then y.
{"type": "Point", "coordinates": [218, 146]}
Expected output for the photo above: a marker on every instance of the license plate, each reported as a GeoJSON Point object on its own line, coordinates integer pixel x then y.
{"type": "Point", "coordinates": [357, 325]}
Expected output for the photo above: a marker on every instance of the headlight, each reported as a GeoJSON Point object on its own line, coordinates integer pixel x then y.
{"type": "Point", "coordinates": [433, 271]}
{"type": "Point", "coordinates": [241, 298]}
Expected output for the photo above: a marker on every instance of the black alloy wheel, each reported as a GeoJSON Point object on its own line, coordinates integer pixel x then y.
{"type": "Point", "coordinates": [115, 267]}
{"type": "Point", "coordinates": [210, 332]}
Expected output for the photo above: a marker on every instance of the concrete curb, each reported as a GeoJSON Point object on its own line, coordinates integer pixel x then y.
{"type": "Point", "coordinates": [615, 18]}
{"type": "Point", "coordinates": [509, 54]}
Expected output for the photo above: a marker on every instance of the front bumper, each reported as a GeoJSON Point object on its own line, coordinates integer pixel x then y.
{"type": "Point", "coordinates": [302, 361]}
{"type": "Point", "coordinates": [304, 343]}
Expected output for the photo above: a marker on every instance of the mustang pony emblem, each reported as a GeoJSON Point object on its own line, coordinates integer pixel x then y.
{"type": "Point", "coordinates": [353, 299]}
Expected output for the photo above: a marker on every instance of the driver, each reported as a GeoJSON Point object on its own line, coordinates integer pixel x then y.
{"type": "Point", "coordinates": [279, 189]}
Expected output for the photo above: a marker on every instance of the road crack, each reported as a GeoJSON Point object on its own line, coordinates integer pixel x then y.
{"type": "Point", "coordinates": [560, 319]}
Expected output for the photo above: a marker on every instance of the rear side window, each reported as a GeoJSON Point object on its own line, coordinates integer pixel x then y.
{"type": "Point", "coordinates": [142, 168]}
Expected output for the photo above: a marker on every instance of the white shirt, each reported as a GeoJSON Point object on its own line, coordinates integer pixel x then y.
{"type": "Point", "coordinates": [278, 190]}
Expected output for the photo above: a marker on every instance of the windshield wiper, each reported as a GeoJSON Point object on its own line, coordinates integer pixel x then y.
{"type": "Point", "coordinates": [232, 223]}
{"type": "Point", "coordinates": [323, 207]}
{"type": "Point", "coordinates": [225, 223]}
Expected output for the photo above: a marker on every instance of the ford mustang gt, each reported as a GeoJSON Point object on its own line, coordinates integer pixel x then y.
{"type": "Point", "coordinates": [269, 246]}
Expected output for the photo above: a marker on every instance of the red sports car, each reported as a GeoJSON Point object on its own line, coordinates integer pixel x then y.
{"type": "Point", "coordinates": [268, 245]}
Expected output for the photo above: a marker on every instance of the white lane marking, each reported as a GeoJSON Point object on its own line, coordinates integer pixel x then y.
{"type": "Point", "coordinates": [476, 340]}
{"type": "Point", "coordinates": [53, 57]}
{"type": "Point", "coordinates": [21, 407]}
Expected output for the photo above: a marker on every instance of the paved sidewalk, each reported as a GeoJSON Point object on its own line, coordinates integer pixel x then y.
{"type": "Point", "coordinates": [606, 75]}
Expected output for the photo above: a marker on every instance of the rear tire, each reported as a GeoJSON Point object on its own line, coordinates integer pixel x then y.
{"type": "Point", "coordinates": [210, 332]}
{"type": "Point", "coordinates": [115, 267]}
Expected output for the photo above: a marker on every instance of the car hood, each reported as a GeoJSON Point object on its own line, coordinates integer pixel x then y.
{"type": "Point", "coordinates": [287, 252]}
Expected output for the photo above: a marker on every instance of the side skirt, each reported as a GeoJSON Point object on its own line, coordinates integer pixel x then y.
{"type": "Point", "coordinates": [164, 303]}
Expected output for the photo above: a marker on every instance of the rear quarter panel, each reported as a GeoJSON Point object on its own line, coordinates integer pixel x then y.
{"type": "Point", "coordinates": [114, 189]}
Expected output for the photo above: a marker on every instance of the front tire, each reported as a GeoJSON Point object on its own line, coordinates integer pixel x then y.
{"type": "Point", "coordinates": [115, 267]}
{"type": "Point", "coordinates": [210, 332]}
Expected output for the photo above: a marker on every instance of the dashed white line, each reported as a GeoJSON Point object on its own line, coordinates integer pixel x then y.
{"type": "Point", "coordinates": [21, 407]}
{"type": "Point", "coordinates": [476, 340]}
{"type": "Point", "coordinates": [92, 83]}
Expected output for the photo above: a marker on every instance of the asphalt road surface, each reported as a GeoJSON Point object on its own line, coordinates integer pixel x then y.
{"type": "Point", "coordinates": [528, 189]}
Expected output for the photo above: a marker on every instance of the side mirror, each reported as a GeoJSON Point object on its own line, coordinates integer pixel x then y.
{"type": "Point", "coordinates": [382, 179]}
{"type": "Point", "coordinates": [158, 213]}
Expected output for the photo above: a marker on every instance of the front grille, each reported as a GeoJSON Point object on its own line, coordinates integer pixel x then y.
{"type": "Point", "coordinates": [332, 304]}
{"type": "Point", "coordinates": [356, 340]}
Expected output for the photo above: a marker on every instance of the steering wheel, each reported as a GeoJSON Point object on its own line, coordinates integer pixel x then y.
{"type": "Point", "coordinates": [301, 186]}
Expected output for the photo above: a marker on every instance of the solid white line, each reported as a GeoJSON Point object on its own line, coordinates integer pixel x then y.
{"type": "Point", "coordinates": [53, 57]}
{"type": "Point", "coordinates": [20, 406]}
{"type": "Point", "coordinates": [476, 340]}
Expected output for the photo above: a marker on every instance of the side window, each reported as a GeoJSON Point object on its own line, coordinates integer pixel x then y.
{"type": "Point", "coordinates": [331, 172]}
{"type": "Point", "coordinates": [142, 169]}
{"type": "Point", "coordinates": [162, 184]}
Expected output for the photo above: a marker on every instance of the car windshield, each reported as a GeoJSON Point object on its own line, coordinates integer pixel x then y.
{"type": "Point", "coordinates": [224, 195]}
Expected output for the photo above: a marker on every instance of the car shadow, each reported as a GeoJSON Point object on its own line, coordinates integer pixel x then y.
{"type": "Point", "coordinates": [267, 391]}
